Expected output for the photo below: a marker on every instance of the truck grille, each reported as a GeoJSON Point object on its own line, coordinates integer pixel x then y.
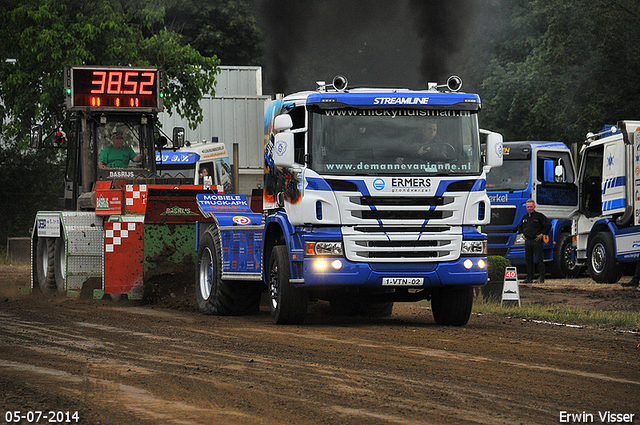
{"type": "Point", "coordinates": [402, 229]}
{"type": "Point", "coordinates": [389, 244]}
{"type": "Point", "coordinates": [502, 216]}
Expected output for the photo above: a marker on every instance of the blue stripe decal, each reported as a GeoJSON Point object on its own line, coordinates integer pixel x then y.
{"type": "Point", "coordinates": [479, 186]}
{"type": "Point", "coordinates": [614, 204]}
{"type": "Point", "coordinates": [314, 183]}
{"type": "Point", "coordinates": [613, 182]}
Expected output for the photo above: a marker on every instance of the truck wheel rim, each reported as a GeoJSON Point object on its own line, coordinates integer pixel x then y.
{"type": "Point", "coordinates": [273, 286]}
{"type": "Point", "coordinates": [567, 258]}
{"type": "Point", "coordinates": [206, 274]}
{"type": "Point", "coordinates": [598, 258]}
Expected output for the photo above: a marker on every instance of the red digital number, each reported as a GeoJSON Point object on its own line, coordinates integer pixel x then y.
{"type": "Point", "coordinates": [129, 83]}
{"type": "Point", "coordinates": [100, 83]}
{"type": "Point", "coordinates": [149, 83]}
{"type": "Point", "coordinates": [115, 83]}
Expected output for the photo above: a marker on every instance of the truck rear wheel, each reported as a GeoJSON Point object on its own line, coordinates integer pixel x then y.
{"type": "Point", "coordinates": [452, 306]}
{"type": "Point", "coordinates": [287, 304]}
{"type": "Point", "coordinates": [601, 259]}
{"type": "Point", "coordinates": [60, 263]}
{"type": "Point", "coordinates": [45, 260]}
{"type": "Point", "coordinates": [215, 295]}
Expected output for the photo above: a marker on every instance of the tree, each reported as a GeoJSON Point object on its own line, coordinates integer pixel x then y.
{"type": "Point", "coordinates": [43, 36]}
{"type": "Point", "coordinates": [562, 68]}
{"type": "Point", "coordinates": [226, 28]}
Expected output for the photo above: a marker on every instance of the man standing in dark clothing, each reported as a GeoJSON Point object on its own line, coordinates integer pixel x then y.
{"type": "Point", "coordinates": [534, 226]}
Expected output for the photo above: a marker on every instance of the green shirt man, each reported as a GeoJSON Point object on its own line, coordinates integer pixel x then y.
{"type": "Point", "coordinates": [117, 155]}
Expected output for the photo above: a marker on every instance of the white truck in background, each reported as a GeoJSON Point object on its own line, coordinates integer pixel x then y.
{"type": "Point", "coordinates": [606, 224]}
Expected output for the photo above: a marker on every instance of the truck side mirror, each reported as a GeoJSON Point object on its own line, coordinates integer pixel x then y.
{"type": "Point", "coordinates": [494, 149]}
{"type": "Point", "coordinates": [283, 150]}
{"type": "Point", "coordinates": [35, 139]}
{"type": "Point", "coordinates": [282, 122]}
{"type": "Point", "coordinates": [178, 137]}
{"type": "Point", "coordinates": [559, 174]}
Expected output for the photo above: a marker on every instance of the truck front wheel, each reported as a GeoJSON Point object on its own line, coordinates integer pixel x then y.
{"type": "Point", "coordinates": [564, 264]}
{"type": "Point", "coordinates": [215, 295]}
{"type": "Point", "coordinates": [601, 259]}
{"type": "Point", "coordinates": [452, 306]}
{"type": "Point", "coordinates": [287, 304]}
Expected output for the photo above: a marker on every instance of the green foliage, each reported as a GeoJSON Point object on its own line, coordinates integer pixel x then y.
{"type": "Point", "coordinates": [31, 180]}
{"type": "Point", "coordinates": [496, 266]}
{"type": "Point", "coordinates": [43, 36]}
{"type": "Point", "coordinates": [226, 28]}
{"type": "Point", "coordinates": [556, 69]}
{"type": "Point", "coordinates": [558, 313]}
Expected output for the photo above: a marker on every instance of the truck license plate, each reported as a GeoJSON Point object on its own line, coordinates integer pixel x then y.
{"type": "Point", "coordinates": [402, 281]}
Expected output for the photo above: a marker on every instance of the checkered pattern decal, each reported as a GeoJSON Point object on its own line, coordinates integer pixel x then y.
{"type": "Point", "coordinates": [135, 193]}
{"type": "Point", "coordinates": [114, 237]}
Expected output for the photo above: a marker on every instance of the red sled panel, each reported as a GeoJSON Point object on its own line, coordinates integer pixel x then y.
{"type": "Point", "coordinates": [123, 272]}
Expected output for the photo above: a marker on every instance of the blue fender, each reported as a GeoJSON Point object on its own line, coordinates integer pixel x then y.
{"type": "Point", "coordinates": [277, 225]}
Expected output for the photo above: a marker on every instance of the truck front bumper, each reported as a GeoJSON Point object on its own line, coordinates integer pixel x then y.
{"type": "Point", "coordinates": [396, 275]}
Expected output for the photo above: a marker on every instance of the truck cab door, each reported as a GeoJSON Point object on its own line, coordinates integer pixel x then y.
{"type": "Point", "coordinates": [554, 183]}
{"type": "Point", "coordinates": [614, 200]}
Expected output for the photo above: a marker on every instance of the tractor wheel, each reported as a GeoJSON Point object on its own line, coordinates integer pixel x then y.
{"type": "Point", "coordinates": [215, 295]}
{"type": "Point", "coordinates": [45, 270]}
{"type": "Point", "coordinates": [287, 304]}
{"type": "Point", "coordinates": [452, 306]}
{"type": "Point", "coordinates": [60, 264]}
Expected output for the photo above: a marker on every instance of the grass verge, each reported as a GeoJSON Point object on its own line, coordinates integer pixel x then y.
{"type": "Point", "coordinates": [558, 313]}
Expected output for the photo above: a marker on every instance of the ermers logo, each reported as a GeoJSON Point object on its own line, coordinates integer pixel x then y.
{"type": "Point", "coordinates": [401, 101]}
{"type": "Point", "coordinates": [378, 184]}
{"type": "Point", "coordinates": [410, 182]}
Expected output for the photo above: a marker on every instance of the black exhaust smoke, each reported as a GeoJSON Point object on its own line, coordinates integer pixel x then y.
{"type": "Point", "coordinates": [373, 43]}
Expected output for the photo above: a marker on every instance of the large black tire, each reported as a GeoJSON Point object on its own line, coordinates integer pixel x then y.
{"type": "Point", "coordinates": [215, 295]}
{"type": "Point", "coordinates": [60, 264]}
{"type": "Point", "coordinates": [45, 260]}
{"type": "Point", "coordinates": [601, 259]}
{"type": "Point", "coordinates": [564, 265]}
{"type": "Point", "coordinates": [452, 306]}
{"type": "Point", "coordinates": [287, 304]}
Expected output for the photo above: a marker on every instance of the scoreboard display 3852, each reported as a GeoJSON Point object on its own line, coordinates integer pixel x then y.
{"type": "Point", "coordinates": [113, 88]}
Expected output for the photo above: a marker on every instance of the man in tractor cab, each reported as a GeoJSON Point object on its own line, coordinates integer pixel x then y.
{"type": "Point", "coordinates": [116, 155]}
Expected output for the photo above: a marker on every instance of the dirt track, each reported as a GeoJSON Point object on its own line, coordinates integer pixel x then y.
{"type": "Point", "coordinates": [117, 363]}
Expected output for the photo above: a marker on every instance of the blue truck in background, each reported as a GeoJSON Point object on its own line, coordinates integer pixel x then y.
{"type": "Point", "coordinates": [529, 166]}
{"type": "Point", "coordinates": [357, 210]}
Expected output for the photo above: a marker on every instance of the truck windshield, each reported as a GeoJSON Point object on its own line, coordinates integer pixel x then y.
{"type": "Point", "coordinates": [394, 141]}
{"type": "Point", "coordinates": [513, 175]}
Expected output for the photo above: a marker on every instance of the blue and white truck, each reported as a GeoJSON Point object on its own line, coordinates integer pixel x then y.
{"type": "Point", "coordinates": [606, 210]}
{"type": "Point", "coordinates": [529, 169]}
{"type": "Point", "coordinates": [355, 211]}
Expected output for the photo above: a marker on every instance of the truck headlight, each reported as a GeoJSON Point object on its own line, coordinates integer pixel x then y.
{"type": "Point", "coordinates": [474, 247]}
{"type": "Point", "coordinates": [519, 239]}
{"type": "Point", "coordinates": [324, 248]}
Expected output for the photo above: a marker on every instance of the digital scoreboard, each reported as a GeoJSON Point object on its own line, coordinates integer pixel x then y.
{"type": "Point", "coordinates": [113, 88]}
